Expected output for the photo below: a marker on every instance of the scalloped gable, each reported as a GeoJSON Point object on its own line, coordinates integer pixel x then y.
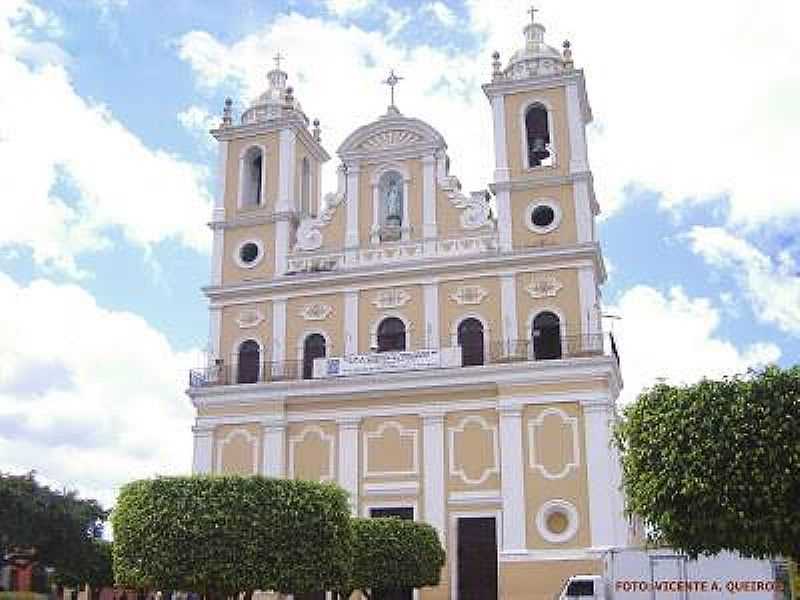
{"type": "Point", "coordinates": [390, 133]}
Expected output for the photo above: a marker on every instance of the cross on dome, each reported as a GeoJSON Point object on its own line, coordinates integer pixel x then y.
{"type": "Point", "coordinates": [392, 81]}
{"type": "Point", "coordinates": [277, 58]}
{"type": "Point", "coordinates": [533, 10]}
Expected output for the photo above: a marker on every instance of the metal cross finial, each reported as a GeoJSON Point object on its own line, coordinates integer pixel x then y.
{"type": "Point", "coordinates": [392, 81]}
{"type": "Point", "coordinates": [533, 10]}
{"type": "Point", "coordinates": [277, 58]}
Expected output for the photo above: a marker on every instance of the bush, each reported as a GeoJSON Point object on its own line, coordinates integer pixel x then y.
{"type": "Point", "coordinates": [220, 535]}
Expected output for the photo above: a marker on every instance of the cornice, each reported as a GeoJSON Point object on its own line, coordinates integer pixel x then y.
{"type": "Point", "coordinates": [235, 132]}
{"type": "Point", "coordinates": [576, 255]}
{"type": "Point", "coordinates": [257, 218]}
{"type": "Point", "coordinates": [533, 182]}
{"type": "Point", "coordinates": [509, 86]}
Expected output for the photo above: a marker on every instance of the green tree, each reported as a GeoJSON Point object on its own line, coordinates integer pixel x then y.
{"type": "Point", "coordinates": [391, 553]}
{"type": "Point", "coordinates": [716, 465]}
{"type": "Point", "coordinates": [93, 568]}
{"type": "Point", "coordinates": [58, 525]}
{"type": "Point", "coordinates": [220, 535]}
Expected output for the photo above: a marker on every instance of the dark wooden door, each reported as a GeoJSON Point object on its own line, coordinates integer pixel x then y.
{"type": "Point", "coordinates": [477, 559]}
{"type": "Point", "coordinates": [402, 513]}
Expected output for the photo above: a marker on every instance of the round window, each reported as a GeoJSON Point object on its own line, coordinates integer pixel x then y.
{"type": "Point", "coordinates": [543, 216]}
{"type": "Point", "coordinates": [248, 253]}
{"type": "Point", "coordinates": [557, 521]}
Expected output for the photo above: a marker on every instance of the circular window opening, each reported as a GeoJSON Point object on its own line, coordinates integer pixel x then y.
{"type": "Point", "coordinates": [543, 216]}
{"type": "Point", "coordinates": [557, 522]}
{"type": "Point", "coordinates": [248, 253]}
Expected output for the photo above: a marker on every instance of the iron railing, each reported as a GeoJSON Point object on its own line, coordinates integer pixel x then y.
{"type": "Point", "coordinates": [492, 353]}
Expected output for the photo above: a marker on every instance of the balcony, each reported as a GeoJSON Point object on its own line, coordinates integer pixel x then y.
{"type": "Point", "coordinates": [450, 357]}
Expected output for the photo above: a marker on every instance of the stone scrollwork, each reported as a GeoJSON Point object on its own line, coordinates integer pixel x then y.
{"type": "Point", "coordinates": [469, 295]}
{"type": "Point", "coordinates": [308, 234]}
{"type": "Point", "coordinates": [316, 311]}
{"type": "Point", "coordinates": [393, 298]}
{"type": "Point", "coordinates": [249, 317]}
{"type": "Point", "coordinates": [476, 210]}
{"type": "Point", "coordinates": [544, 287]}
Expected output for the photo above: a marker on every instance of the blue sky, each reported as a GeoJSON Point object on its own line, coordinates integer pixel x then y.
{"type": "Point", "coordinates": [108, 176]}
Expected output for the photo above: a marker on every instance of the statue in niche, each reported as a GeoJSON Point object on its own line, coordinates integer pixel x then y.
{"type": "Point", "coordinates": [393, 201]}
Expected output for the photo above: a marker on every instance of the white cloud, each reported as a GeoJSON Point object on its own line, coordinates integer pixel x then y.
{"type": "Point", "coordinates": [77, 171]}
{"type": "Point", "coordinates": [772, 286]}
{"type": "Point", "coordinates": [198, 122]}
{"type": "Point", "coordinates": [89, 397]}
{"type": "Point", "coordinates": [442, 12]}
{"type": "Point", "coordinates": [347, 7]}
{"type": "Point", "coordinates": [674, 337]}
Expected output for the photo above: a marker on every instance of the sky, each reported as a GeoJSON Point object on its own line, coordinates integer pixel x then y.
{"type": "Point", "coordinates": [107, 180]}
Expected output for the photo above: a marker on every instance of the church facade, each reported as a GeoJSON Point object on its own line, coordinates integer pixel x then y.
{"type": "Point", "coordinates": [438, 354]}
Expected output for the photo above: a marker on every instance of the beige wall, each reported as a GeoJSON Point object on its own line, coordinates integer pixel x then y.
{"type": "Point", "coordinates": [515, 128]}
{"type": "Point", "coordinates": [231, 271]}
{"type": "Point", "coordinates": [235, 148]}
{"type": "Point", "coordinates": [555, 468]}
{"type": "Point", "coordinates": [297, 327]}
{"type": "Point", "coordinates": [391, 448]}
{"type": "Point", "coordinates": [472, 456]}
{"type": "Point", "coordinates": [231, 335]}
{"type": "Point", "coordinates": [541, 580]}
{"type": "Point", "coordinates": [370, 315]}
{"type": "Point", "coordinates": [447, 217]}
{"type": "Point", "coordinates": [566, 301]}
{"type": "Point", "coordinates": [565, 233]}
{"type": "Point", "coordinates": [451, 312]}
{"type": "Point", "coordinates": [312, 450]}
{"type": "Point", "coordinates": [237, 449]}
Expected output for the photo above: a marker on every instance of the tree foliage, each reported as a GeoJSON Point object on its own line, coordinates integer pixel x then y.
{"type": "Point", "coordinates": [220, 535]}
{"type": "Point", "coordinates": [58, 525]}
{"type": "Point", "coordinates": [716, 465]}
{"type": "Point", "coordinates": [93, 567]}
{"type": "Point", "coordinates": [390, 553]}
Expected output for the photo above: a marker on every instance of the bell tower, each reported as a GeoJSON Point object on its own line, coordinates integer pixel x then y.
{"type": "Point", "coordinates": [542, 180]}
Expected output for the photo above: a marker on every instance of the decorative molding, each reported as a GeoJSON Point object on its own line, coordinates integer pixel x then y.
{"type": "Point", "coordinates": [544, 287]}
{"type": "Point", "coordinates": [458, 471]}
{"type": "Point", "coordinates": [557, 215]}
{"type": "Point", "coordinates": [403, 433]}
{"type": "Point", "coordinates": [469, 295]}
{"type": "Point", "coordinates": [391, 298]}
{"type": "Point", "coordinates": [534, 425]}
{"type": "Point", "coordinates": [324, 437]}
{"type": "Point", "coordinates": [564, 507]}
{"type": "Point", "coordinates": [476, 212]}
{"type": "Point", "coordinates": [387, 139]}
{"type": "Point", "coordinates": [392, 488]}
{"type": "Point", "coordinates": [482, 497]}
{"type": "Point", "coordinates": [249, 317]}
{"type": "Point", "coordinates": [249, 438]}
{"type": "Point", "coordinates": [316, 311]}
{"type": "Point", "coordinates": [308, 234]}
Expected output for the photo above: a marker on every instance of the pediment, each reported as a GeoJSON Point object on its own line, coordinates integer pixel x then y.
{"type": "Point", "coordinates": [391, 133]}
{"type": "Point", "coordinates": [389, 139]}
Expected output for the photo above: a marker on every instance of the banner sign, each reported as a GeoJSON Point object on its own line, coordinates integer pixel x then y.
{"type": "Point", "coordinates": [378, 362]}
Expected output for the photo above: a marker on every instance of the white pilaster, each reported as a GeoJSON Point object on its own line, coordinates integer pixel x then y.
{"type": "Point", "coordinates": [351, 322]}
{"type": "Point", "coordinates": [429, 228]}
{"type": "Point", "coordinates": [431, 299]}
{"type": "Point", "coordinates": [274, 449]}
{"type": "Point", "coordinates": [279, 330]}
{"type": "Point", "coordinates": [504, 217]}
{"type": "Point", "coordinates": [282, 240]}
{"type": "Point", "coordinates": [583, 210]}
{"type": "Point", "coordinates": [500, 144]}
{"type": "Point", "coordinates": [511, 479]}
{"type": "Point", "coordinates": [351, 204]}
{"type": "Point", "coordinates": [433, 443]}
{"type": "Point", "coordinates": [348, 459]}
{"type": "Point", "coordinates": [508, 303]}
{"type": "Point", "coordinates": [203, 450]}
{"type": "Point", "coordinates": [214, 333]}
{"type": "Point", "coordinates": [286, 171]}
{"type": "Point", "coordinates": [599, 469]}
{"type": "Point", "coordinates": [217, 251]}
{"type": "Point", "coordinates": [577, 130]}
{"type": "Point", "coordinates": [222, 174]}
{"type": "Point", "coordinates": [587, 293]}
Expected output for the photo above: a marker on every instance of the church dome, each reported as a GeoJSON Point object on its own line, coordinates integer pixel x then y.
{"type": "Point", "coordinates": [275, 102]}
{"type": "Point", "coordinates": [536, 58]}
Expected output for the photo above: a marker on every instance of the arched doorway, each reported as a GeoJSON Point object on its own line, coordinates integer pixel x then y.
{"type": "Point", "coordinates": [546, 336]}
{"type": "Point", "coordinates": [391, 335]}
{"type": "Point", "coordinates": [470, 338]}
{"type": "Point", "coordinates": [313, 347]}
{"type": "Point", "coordinates": [248, 363]}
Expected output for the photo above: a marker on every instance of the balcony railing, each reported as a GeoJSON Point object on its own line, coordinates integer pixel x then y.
{"type": "Point", "coordinates": [447, 357]}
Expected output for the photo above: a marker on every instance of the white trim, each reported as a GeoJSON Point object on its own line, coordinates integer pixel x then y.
{"type": "Point", "coordinates": [301, 341]}
{"type": "Point", "coordinates": [535, 424]}
{"type": "Point", "coordinates": [504, 220]}
{"type": "Point", "coordinates": [286, 172]}
{"type": "Point", "coordinates": [500, 149]}
{"type": "Point", "coordinates": [351, 322]}
{"type": "Point", "coordinates": [523, 109]}
{"type": "Point", "coordinates": [203, 450]}
{"type": "Point", "coordinates": [217, 252]}
{"type": "Point", "coordinates": [403, 433]}
{"type": "Point", "coordinates": [278, 330]}
{"type": "Point", "coordinates": [347, 474]}
{"type": "Point", "coordinates": [237, 253]}
{"type": "Point", "coordinates": [600, 472]}
{"type": "Point", "coordinates": [486, 331]}
{"type": "Point", "coordinates": [214, 329]}
{"type": "Point", "coordinates": [583, 211]}
{"type": "Point", "coordinates": [431, 300]}
{"type": "Point", "coordinates": [373, 328]}
{"type": "Point", "coordinates": [550, 554]}
{"type": "Point", "coordinates": [282, 240]}
{"type": "Point", "coordinates": [325, 438]}
{"type": "Point", "coordinates": [429, 227]}
{"type": "Point", "coordinates": [492, 469]}
{"type": "Point", "coordinates": [512, 483]}
{"type": "Point", "coordinates": [577, 129]}
{"type": "Point", "coordinates": [562, 321]}
{"type": "Point", "coordinates": [218, 213]}
{"type": "Point", "coordinates": [262, 200]}
{"type": "Point", "coordinates": [468, 497]}
{"type": "Point", "coordinates": [351, 206]}
{"type": "Point", "coordinates": [273, 463]}
{"type": "Point", "coordinates": [587, 292]}
{"type": "Point", "coordinates": [250, 438]}
{"type": "Point", "coordinates": [391, 488]}
{"type": "Point", "coordinates": [555, 205]}
{"type": "Point", "coordinates": [497, 515]}
{"type": "Point", "coordinates": [548, 508]}
{"type": "Point", "coordinates": [433, 465]}
{"type": "Point", "coordinates": [508, 303]}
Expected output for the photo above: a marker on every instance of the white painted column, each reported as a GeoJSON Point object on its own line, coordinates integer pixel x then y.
{"type": "Point", "coordinates": [600, 472]}
{"type": "Point", "coordinates": [274, 449]}
{"type": "Point", "coordinates": [217, 251]}
{"type": "Point", "coordinates": [429, 227]}
{"type": "Point", "coordinates": [348, 459]}
{"type": "Point", "coordinates": [214, 334]}
{"type": "Point", "coordinates": [218, 215]}
{"type": "Point", "coordinates": [583, 210]}
{"type": "Point", "coordinates": [578, 161]}
{"type": "Point", "coordinates": [278, 334]}
{"type": "Point", "coordinates": [590, 322]}
{"type": "Point", "coordinates": [203, 449]}
{"type": "Point", "coordinates": [431, 299]}
{"type": "Point", "coordinates": [501, 173]}
{"type": "Point", "coordinates": [351, 322]}
{"type": "Point", "coordinates": [286, 200]}
{"type": "Point", "coordinates": [508, 303]}
{"type": "Point", "coordinates": [512, 479]}
{"type": "Point", "coordinates": [351, 204]}
{"type": "Point", "coordinates": [434, 488]}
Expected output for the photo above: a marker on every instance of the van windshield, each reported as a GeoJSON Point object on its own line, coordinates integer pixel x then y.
{"type": "Point", "coordinates": [581, 587]}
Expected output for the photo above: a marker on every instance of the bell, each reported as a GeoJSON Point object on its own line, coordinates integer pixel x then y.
{"type": "Point", "coordinates": [539, 151]}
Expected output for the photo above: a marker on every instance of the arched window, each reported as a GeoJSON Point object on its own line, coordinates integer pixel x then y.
{"type": "Point", "coordinates": [248, 363]}
{"type": "Point", "coordinates": [305, 186]}
{"type": "Point", "coordinates": [313, 347]}
{"type": "Point", "coordinates": [470, 338]}
{"type": "Point", "coordinates": [391, 335]}
{"type": "Point", "coordinates": [252, 177]}
{"type": "Point", "coordinates": [546, 336]}
{"type": "Point", "coordinates": [537, 132]}
{"type": "Point", "coordinates": [390, 189]}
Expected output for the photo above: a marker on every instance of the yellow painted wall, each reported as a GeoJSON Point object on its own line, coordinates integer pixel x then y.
{"type": "Point", "coordinates": [391, 448]}
{"type": "Point", "coordinates": [298, 327]}
{"type": "Point", "coordinates": [369, 316]}
{"type": "Point", "coordinates": [232, 335]}
{"type": "Point", "coordinates": [312, 450]}
{"type": "Point", "coordinates": [235, 149]}
{"type": "Point", "coordinates": [472, 451]}
{"type": "Point", "coordinates": [567, 300]}
{"type": "Point", "coordinates": [231, 271]}
{"type": "Point", "coordinates": [237, 449]}
{"type": "Point", "coordinates": [565, 233]}
{"type": "Point", "coordinates": [451, 312]}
